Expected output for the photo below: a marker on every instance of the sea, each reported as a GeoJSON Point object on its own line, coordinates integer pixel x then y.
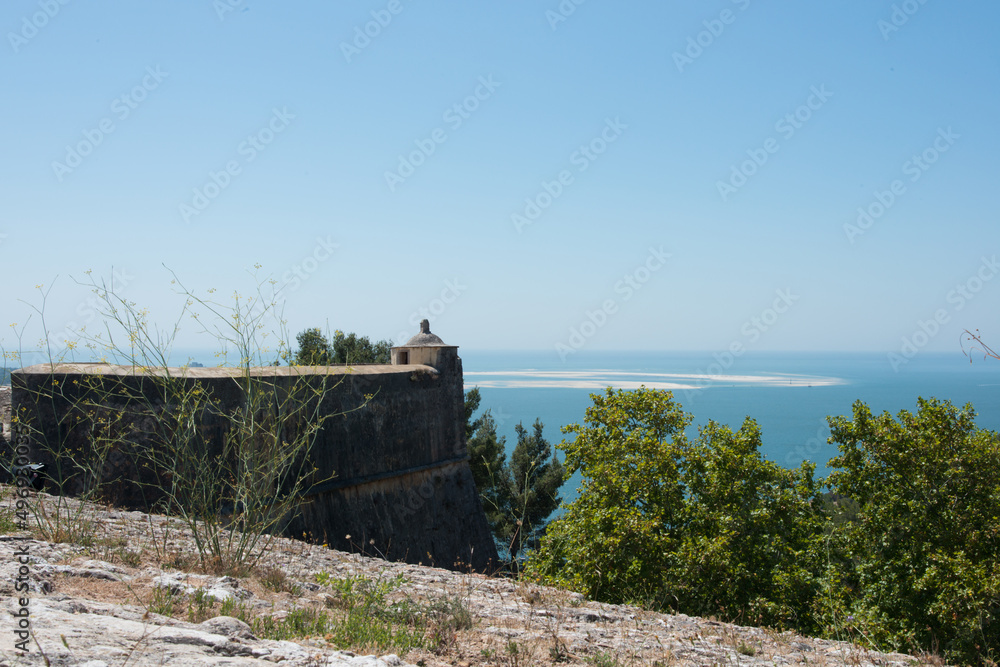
{"type": "Point", "coordinates": [790, 395]}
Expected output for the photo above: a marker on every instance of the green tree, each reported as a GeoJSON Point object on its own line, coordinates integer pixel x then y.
{"type": "Point", "coordinates": [354, 349]}
{"type": "Point", "coordinates": [612, 542]}
{"type": "Point", "coordinates": [535, 475]}
{"type": "Point", "coordinates": [709, 527]}
{"type": "Point", "coordinates": [519, 495]}
{"type": "Point", "coordinates": [472, 401]}
{"type": "Point", "coordinates": [488, 460]}
{"type": "Point", "coordinates": [487, 450]}
{"type": "Point", "coordinates": [922, 567]}
{"type": "Point", "coordinates": [314, 349]}
{"type": "Point", "coordinates": [749, 535]}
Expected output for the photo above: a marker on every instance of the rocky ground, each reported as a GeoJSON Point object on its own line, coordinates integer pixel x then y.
{"type": "Point", "coordinates": [134, 594]}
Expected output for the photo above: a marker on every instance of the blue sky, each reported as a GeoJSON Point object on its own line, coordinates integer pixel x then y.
{"type": "Point", "coordinates": [630, 175]}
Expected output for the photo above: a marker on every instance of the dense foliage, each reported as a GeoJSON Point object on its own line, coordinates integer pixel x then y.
{"type": "Point", "coordinates": [316, 350]}
{"type": "Point", "coordinates": [517, 495]}
{"type": "Point", "coordinates": [904, 553]}
{"type": "Point", "coordinates": [703, 527]}
{"type": "Point", "coordinates": [535, 475]}
{"type": "Point", "coordinates": [922, 567]}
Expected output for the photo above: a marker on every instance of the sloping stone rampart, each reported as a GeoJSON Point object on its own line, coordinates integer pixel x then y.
{"type": "Point", "coordinates": [392, 468]}
{"type": "Point", "coordinates": [4, 421]}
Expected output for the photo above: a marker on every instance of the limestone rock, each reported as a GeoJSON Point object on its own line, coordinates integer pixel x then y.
{"type": "Point", "coordinates": [227, 626]}
{"type": "Point", "coordinates": [85, 610]}
{"type": "Point", "coordinates": [114, 635]}
{"type": "Point", "coordinates": [219, 589]}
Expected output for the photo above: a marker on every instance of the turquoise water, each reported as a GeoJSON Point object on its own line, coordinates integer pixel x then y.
{"type": "Point", "coordinates": [789, 394]}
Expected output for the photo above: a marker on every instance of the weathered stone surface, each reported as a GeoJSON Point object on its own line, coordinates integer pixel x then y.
{"type": "Point", "coordinates": [430, 516]}
{"type": "Point", "coordinates": [6, 453]}
{"type": "Point", "coordinates": [397, 482]}
{"type": "Point", "coordinates": [227, 626]}
{"type": "Point", "coordinates": [219, 589]}
{"type": "Point", "coordinates": [5, 404]}
{"type": "Point", "coordinates": [74, 632]}
{"type": "Point", "coordinates": [105, 621]}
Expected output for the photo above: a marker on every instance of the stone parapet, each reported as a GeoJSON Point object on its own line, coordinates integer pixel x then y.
{"type": "Point", "coordinates": [390, 459]}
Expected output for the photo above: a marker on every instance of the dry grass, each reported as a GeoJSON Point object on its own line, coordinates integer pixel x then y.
{"type": "Point", "coordinates": [496, 622]}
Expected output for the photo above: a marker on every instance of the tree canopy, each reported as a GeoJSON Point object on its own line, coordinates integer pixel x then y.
{"type": "Point", "coordinates": [902, 554]}
{"type": "Point", "coordinates": [518, 495]}
{"type": "Point", "coordinates": [922, 561]}
{"type": "Point", "coordinates": [707, 527]}
{"type": "Point", "coordinates": [316, 350]}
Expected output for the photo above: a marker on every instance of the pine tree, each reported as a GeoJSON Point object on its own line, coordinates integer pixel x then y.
{"type": "Point", "coordinates": [517, 495]}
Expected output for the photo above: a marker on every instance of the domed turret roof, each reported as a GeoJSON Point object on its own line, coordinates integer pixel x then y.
{"type": "Point", "coordinates": [425, 338]}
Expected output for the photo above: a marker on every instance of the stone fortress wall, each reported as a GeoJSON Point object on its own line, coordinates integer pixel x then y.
{"type": "Point", "coordinates": [401, 486]}
{"type": "Point", "coordinates": [4, 416]}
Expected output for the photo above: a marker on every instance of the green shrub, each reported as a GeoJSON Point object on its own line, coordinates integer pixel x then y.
{"type": "Point", "coordinates": [368, 618]}
{"type": "Point", "coordinates": [234, 471]}
{"type": "Point", "coordinates": [708, 527]}
{"type": "Point", "coordinates": [921, 566]}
